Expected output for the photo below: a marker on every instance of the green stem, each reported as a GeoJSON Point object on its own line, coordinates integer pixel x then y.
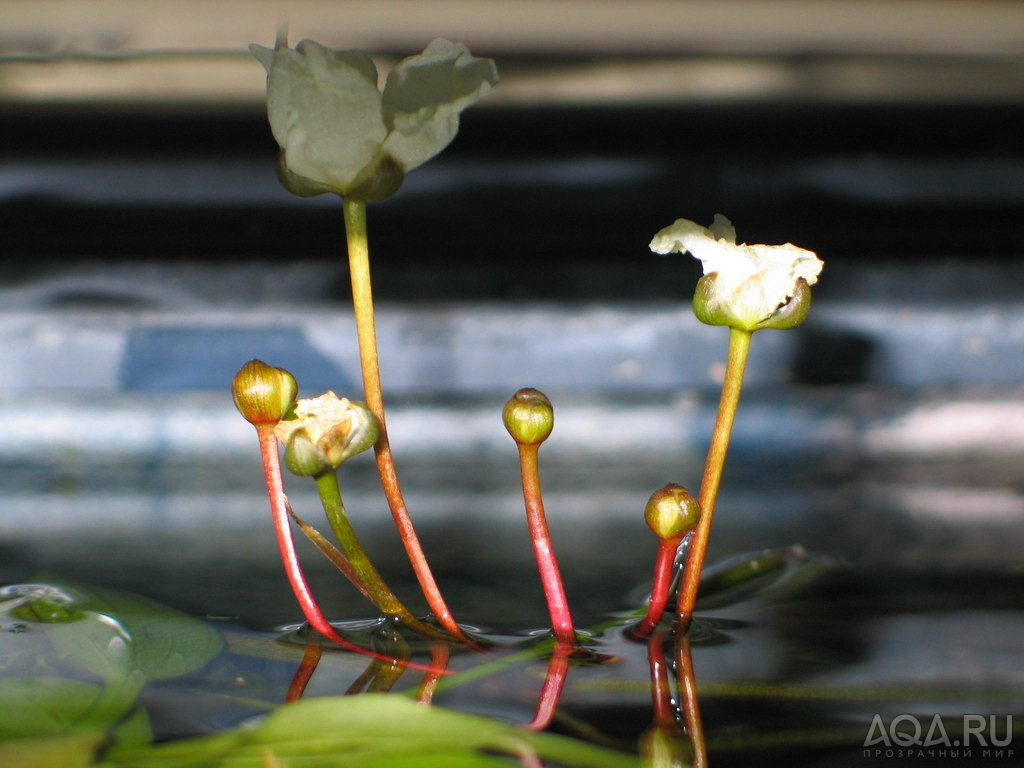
{"type": "Point", "coordinates": [286, 545]}
{"type": "Point", "coordinates": [362, 301]}
{"type": "Point", "coordinates": [739, 346]}
{"type": "Point", "coordinates": [377, 589]}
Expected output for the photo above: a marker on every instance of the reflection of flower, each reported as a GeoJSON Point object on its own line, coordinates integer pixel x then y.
{"type": "Point", "coordinates": [337, 427]}
{"type": "Point", "coordinates": [744, 286]}
{"type": "Point", "coordinates": [339, 133]}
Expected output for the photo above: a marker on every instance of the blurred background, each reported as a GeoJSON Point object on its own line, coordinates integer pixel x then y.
{"type": "Point", "coordinates": [148, 252]}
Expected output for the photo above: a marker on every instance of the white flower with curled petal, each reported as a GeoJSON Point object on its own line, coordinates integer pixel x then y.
{"type": "Point", "coordinates": [339, 133]}
{"type": "Point", "coordinates": [744, 286]}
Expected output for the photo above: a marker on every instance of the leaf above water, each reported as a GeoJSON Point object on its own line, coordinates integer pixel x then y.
{"type": "Point", "coordinates": [379, 730]}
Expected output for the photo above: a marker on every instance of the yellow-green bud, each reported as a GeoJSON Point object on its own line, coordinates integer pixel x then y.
{"type": "Point", "coordinates": [263, 394]}
{"type": "Point", "coordinates": [302, 457]}
{"type": "Point", "coordinates": [528, 416]}
{"type": "Point", "coordinates": [672, 511]}
{"type": "Point", "coordinates": [336, 427]}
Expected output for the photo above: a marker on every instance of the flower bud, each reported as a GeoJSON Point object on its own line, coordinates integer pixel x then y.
{"type": "Point", "coordinates": [336, 428]}
{"type": "Point", "coordinates": [263, 394]}
{"type": "Point", "coordinates": [672, 511]}
{"type": "Point", "coordinates": [302, 457]}
{"type": "Point", "coordinates": [528, 416]}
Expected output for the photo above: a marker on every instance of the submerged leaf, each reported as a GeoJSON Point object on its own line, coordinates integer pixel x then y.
{"type": "Point", "coordinates": [125, 631]}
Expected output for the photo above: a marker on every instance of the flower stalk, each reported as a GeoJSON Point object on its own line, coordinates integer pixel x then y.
{"type": "Point", "coordinates": [551, 692]}
{"type": "Point", "coordinates": [367, 574]}
{"type": "Point", "coordinates": [440, 655]}
{"type": "Point", "coordinates": [688, 703]}
{"type": "Point", "coordinates": [736, 363]}
{"type": "Point", "coordinates": [307, 667]}
{"type": "Point", "coordinates": [529, 418]}
{"type": "Point", "coordinates": [664, 744]}
{"type": "Point", "coordinates": [366, 332]}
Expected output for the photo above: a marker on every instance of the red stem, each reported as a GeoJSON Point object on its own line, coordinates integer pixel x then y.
{"type": "Point", "coordinates": [661, 585]}
{"type": "Point", "coordinates": [661, 692]}
{"type": "Point", "coordinates": [289, 555]}
{"type": "Point", "coordinates": [554, 683]}
{"type": "Point", "coordinates": [547, 564]}
{"type": "Point", "coordinates": [440, 653]}
{"type": "Point", "coordinates": [310, 660]}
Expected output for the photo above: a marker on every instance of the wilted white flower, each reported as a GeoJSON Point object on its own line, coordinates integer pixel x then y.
{"type": "Point", "coordinates": [339, 133]}
{"type": "Point", "coordinates": [337, 427]}
{"type": "Point", "coordinates": [744, 286]}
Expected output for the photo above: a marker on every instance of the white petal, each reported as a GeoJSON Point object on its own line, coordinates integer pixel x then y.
{"type": "Point", "coordinates": [324, 110]}
{"type": "Point", "coordinates": [750, 281]}
{"type": "Point", "coordinates": [722, 229]}
{"type": "Point", "coordinates": [424, 95]}
{"type": "Point", "coordinates": [679, 236]}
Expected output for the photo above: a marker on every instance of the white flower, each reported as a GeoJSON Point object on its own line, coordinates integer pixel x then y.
{"type": "Point", "coordinates": [745, 286]}
{"type": "Point", "coordinates": [337, 427]}
{"type": "Point", "coordinates": [338, 132]}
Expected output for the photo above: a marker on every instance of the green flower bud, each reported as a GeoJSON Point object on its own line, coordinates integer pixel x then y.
{"type": "Point", "coordinates": [528, 416]}
{"type": "Point", "coordinates": [263, 394]}
{"type": "Point", "coordinates": [672, 511]}
{"type": "Point", "coordinates": [302, 457]}
{"type": "Point", "coordinates": [336, 428]}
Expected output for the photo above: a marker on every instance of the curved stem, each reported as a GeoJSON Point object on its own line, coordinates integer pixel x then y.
{"type": "Point", "coordinates": [661, 692]}
{"type": "Point", "coordinates": [661, 586]}
{"type": "Point", "coordinates": [310, 660]}
{"type": "Point", "coordinates": [739, 346]}
{"type": "Point", "coordinates": [554, 684]}
{"type": "Point", "coordinates": [377, 589]}
{"type": "Point", "coordinates": [440, 654]}
{"type": "Point", "coordinates": [362, 302]}
{"type": "Point", "coordinates": [547, 564]}
{"type": "Point", "coordinates": [289, 555]}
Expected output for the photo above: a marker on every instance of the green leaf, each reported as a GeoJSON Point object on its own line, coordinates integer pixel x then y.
{"type": "Point", "coordinates": [46, 706]}
{"type": "Point", "coordinates": [378, 730]}
{"type": "Point", "coordinates": [130, 632]}
{"type": "Point", "coordinates": [74, 751]}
